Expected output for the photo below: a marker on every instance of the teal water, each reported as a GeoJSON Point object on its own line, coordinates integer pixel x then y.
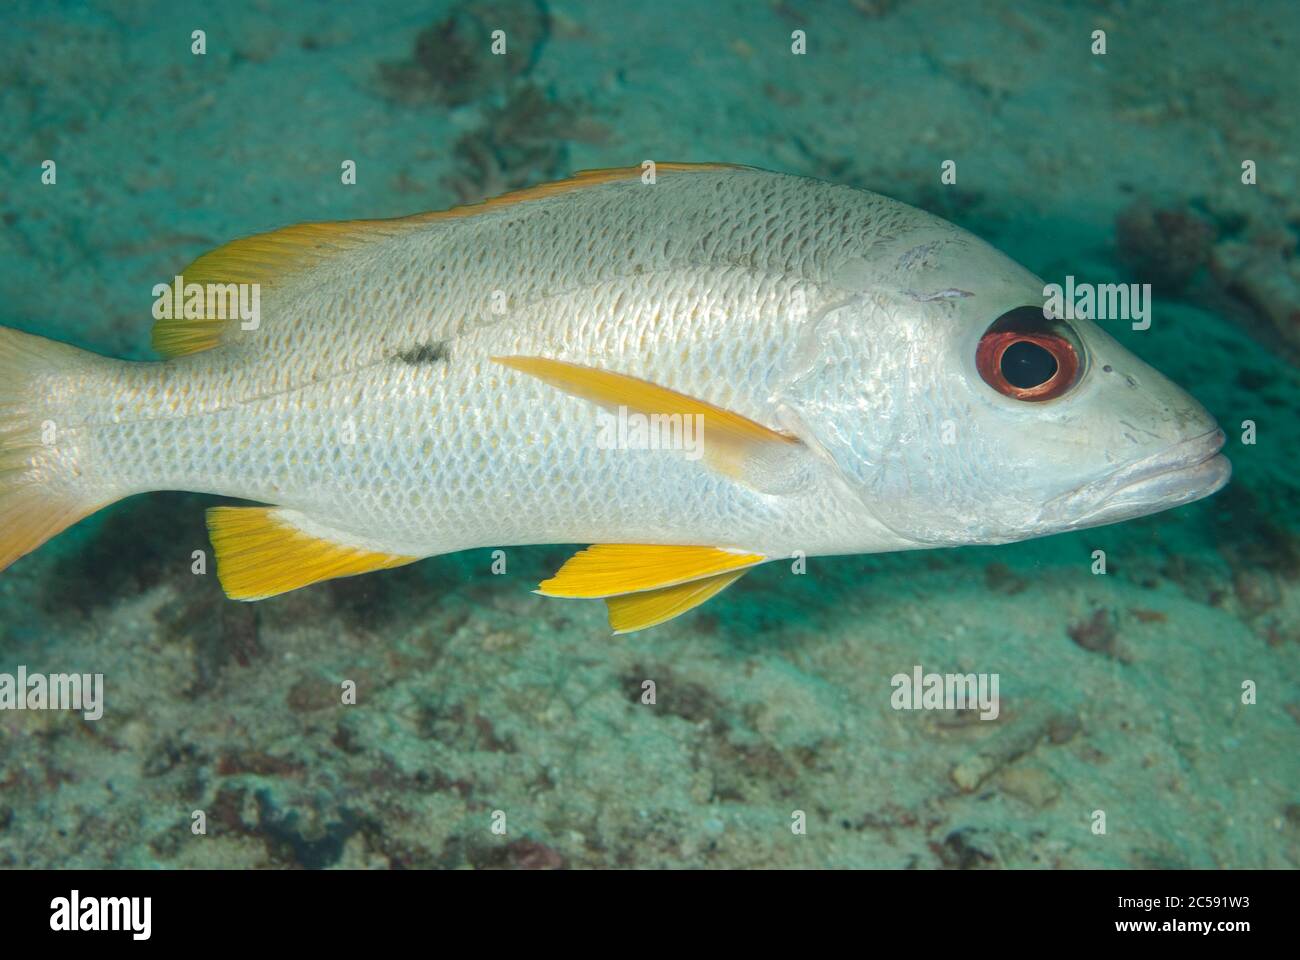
{"type": "Point", "coordinates": [495, 728]}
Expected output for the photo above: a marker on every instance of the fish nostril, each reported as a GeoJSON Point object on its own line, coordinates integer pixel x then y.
{"type": "Point", "coordinates": [1107, 368]}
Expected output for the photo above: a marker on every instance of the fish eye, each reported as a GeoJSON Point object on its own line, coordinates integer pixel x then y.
{"type": "Point", "coordinates": [1027, 356]}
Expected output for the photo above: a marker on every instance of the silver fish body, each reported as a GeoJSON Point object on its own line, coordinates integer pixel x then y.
{"type": "Point", "coordinates": [369, 403]}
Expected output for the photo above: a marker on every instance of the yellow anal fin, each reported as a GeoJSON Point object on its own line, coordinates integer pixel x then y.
{"type": "Point", "coordinates": [261, 553]}
{"type": "Point", "coordinates": [269, 259]}
{"type": "Point", "coordinates": [613, 569]}
{"type": "Point", "coordinates": [637, 611]}
{"type": "Point", "coordinates": [729, 440]}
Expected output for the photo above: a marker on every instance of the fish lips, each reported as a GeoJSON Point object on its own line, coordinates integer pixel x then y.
{"type": "Point", "coordinates": [1188, 471]}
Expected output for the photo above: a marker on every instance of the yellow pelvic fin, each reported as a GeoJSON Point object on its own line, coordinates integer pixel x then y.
{"type": "Point", "coordinates": [636, 611]}
{"type": "Point", "coordinates": [729, 440]}
{"type": "Point", "coordinates": [268, 259]}
{"type": "Point", "coordinates": [613, 569]}
{"type": "Point", "coordinates": [260, 553]}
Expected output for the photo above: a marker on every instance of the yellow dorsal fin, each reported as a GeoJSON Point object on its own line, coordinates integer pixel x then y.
{"type": "Point", "coordinates": [268, 259]}
{"type": "Point", "coordinates": [636, 611]}
{"type": "Point", "coordinates": [261, 553]}
{"type": "Point", "coordinates": [729, 440]}
{"type": "Point", "coordinates": [613, 569]}
{"type": "Point", "coordinates": [578, 181]}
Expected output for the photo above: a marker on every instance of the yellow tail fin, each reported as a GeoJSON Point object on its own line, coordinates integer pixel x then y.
{"type": "Point", "coordinates": [39, 494]}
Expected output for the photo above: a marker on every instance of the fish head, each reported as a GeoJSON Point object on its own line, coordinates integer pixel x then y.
{"type": "Point", "coordinates": [960, 410]}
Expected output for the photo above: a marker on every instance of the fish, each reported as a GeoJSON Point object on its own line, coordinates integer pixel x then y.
{"type": "Point", "coordinates": [695, 369]}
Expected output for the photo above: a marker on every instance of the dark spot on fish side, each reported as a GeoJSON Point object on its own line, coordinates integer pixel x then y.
{"type": "Point", "coordinates": [426, 353]}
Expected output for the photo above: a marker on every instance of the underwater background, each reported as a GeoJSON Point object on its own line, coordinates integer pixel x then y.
{"type": "Point", "coordinates": [477, 700]}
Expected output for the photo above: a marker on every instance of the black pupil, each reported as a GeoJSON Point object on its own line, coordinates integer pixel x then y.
{"type": "Point", "coordinates": [1026, 364]}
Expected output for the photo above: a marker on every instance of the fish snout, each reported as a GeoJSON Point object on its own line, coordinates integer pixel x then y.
{"type": "Point", "coordinates": [1181, 473]}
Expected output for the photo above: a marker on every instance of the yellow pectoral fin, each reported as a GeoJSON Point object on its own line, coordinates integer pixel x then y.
{"type": "Point", "coordinates": [261, 553]}
{"type": "Point", "coordinates": [613, 569]}
{"type": "Point", "coordinates": [729, 440]}
{"type": "Point", "coordinates": [636, 611]}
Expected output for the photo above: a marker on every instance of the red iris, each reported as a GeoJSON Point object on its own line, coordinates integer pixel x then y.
{"type": "Point", "coordinates": [1024, 361]}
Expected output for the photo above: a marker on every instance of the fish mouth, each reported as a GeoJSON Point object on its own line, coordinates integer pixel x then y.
{"type": "Point", "coordinates": [1188, 471]}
